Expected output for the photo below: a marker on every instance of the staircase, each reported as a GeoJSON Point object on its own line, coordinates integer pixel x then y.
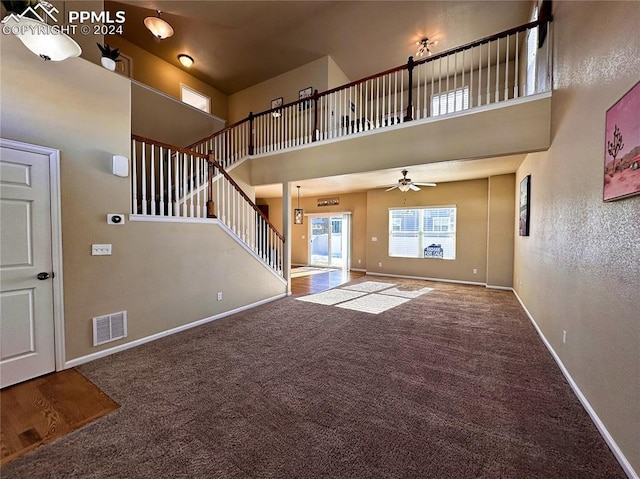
{"type": "Point", "coordinates": [192, 182]}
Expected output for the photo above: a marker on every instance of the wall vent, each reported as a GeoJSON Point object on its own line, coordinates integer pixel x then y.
{"type": "Point", "coordinates": [109, 328]}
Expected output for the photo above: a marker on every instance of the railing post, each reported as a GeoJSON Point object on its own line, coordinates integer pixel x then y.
{"type": "Point", "coordinates": [211, 208]}
{"type": "Point", "coordinates": [314, 136]}
{"type": "Point", "coordinates": [251, 133]}
{"type": "Point", "coordinates": [410, 65]}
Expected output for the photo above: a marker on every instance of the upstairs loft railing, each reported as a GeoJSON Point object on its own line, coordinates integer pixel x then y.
{"type": "Point", "coordinates": [173, 182]}
{"type": "Point", "coordinates": [506, 66]}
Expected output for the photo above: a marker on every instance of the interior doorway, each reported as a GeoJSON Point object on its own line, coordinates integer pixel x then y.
{"type": "Point", "coordinates": [329, 240]}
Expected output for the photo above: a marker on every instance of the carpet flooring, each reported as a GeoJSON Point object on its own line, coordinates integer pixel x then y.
{"type": "Point", "coordinates": [452, 384]}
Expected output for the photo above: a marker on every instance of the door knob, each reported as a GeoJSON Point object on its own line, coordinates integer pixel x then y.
{"type": "Point", "coordinates": [43, 276]}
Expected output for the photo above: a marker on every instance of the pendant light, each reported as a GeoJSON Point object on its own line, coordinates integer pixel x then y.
{"type": "Point", "coordinates": [46, 41]}
{"type": "Point", "coordinates": [159, 28]}
{"type": "Point", "coordinates": [298, 213]}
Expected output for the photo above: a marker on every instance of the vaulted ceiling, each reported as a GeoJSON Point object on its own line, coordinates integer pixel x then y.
{"type": "Point", "coordinates": [237, 44]}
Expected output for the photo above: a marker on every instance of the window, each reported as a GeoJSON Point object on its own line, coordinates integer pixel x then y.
{"type": "Point", "coordinates": [427, 232]}
{"type": "Point", "coordinates": [449, 102]}
{"type": "Point", "coordinates": [532, 48]}
{"type": "Point", "coordinates": [195, 99]}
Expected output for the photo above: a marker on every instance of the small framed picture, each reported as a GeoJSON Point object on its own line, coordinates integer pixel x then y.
{"type": "Point", "coordinates": [524, 213]}
{"type": "Point", "coordinates": [622, 147]}
{"type": "Point", "coordinates": [277, 103]}
{"type": "Point", "coordinates": [302, 94]}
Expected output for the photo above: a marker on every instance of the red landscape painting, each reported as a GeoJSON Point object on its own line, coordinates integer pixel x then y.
{"type": "Point", "coordinates": [622, 147]}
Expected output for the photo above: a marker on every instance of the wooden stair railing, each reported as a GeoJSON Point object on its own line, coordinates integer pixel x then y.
{"type": "Point", "coordinates": [173, 182]}
{"type": "Point", "coordinates": [240, 214]}
{"type": "Point", "coordinates": [483, 72]}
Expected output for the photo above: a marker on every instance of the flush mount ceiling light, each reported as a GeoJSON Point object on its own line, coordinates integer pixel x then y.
{"type": "Point", "coordinates": [158, 27]}
{"type": "Point", "coordinates": [46, 41]}
{"type": "Point", "coordinates": [424, 47]}
{"type": "Point", "coordinates": [186, 60]}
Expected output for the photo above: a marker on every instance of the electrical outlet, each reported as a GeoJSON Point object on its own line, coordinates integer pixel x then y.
{"type": "Point", "coordinates": [374, 238]}
{"type": "Point", "coordinates": [220, 296]}
{"type": "Point", "coordinates": [379, 265]}
{"type": "Point", "coordinates": [564, 337]}
{"type": "Point", "coordinates": [475, 270]}
{"type": "Point", "coordinates": [359, 261]}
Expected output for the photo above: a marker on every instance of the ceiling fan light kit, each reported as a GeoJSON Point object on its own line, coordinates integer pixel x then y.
{"type": "Point", "coordinates": [405, 184]}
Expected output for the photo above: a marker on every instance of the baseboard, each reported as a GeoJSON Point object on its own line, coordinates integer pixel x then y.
{"type": "Point", "coordinates": [360, 270]}
{"type": "Point", "coordinates": [138, 342]}
{"type": "Point", "coordinates": [617, 452]}
{"type": "Point", "coordinates": [502, 288]}
{"type": "Point", "coordinates": [426, 279]}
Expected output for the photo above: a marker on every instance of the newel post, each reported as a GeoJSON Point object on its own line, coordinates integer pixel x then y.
{"type": "Point", "coordinates": [315, 135]}
{"type": "Point", "coordinates": [211, 207]}
{"type": "Point", "coordinates": [251, 133]}
{"type": "Point", "coordinates": [410, 65]}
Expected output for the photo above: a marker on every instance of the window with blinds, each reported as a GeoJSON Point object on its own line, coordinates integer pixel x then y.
{"type": "Point", "coordinates": [449, 102]}
{"type": "Point", "coordinates": [425, 232]}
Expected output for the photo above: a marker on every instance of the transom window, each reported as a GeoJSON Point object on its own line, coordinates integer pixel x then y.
{"type": "Point", "coordinates": [195, 98]}
{"type": "Point", "coordinates": [423, 232]}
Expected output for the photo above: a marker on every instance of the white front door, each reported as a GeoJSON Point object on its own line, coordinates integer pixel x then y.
{"type": "Point", "coordinates": [26, 288]}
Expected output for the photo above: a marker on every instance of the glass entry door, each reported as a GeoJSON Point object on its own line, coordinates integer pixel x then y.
{"type": "Point", "coordinates": [329, 241]}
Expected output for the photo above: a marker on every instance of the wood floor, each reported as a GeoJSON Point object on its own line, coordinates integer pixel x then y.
{"type": "Point", "coordinates": [317, 283]}
{"type": "Point", "coordinates": [38, 411]}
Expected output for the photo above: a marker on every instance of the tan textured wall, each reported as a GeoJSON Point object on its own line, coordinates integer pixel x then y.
{"type": "Point", "coordinates": [159, 117]}
{"type": "Point", "coordinates": [336, 77]}
{"type": "Point", "coordinates": [579, 269]}
{"type": "Point", "coordinates": [501, 229]}
{"type": "Point", "coordinates": [288, 85]}
{"type": "Point", "coordinates": [164, 275]}
{"type": "Point", "coordinates": [163, 76]}
{"type": "Point", "coordinates": [470, 198]}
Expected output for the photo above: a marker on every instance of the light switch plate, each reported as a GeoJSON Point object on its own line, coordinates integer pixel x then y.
{"type": "Point", "coordinates": [100, 249]}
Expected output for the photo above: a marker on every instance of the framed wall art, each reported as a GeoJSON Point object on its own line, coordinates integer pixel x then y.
{"type": "Point", "coordinates": [524, 211]}
{"type": "Point", "coordinates": [302, 94]}
{"type": "Point", "coordinates": [622, 147]}
{"type": "Point", "coordinates": [277, 103]}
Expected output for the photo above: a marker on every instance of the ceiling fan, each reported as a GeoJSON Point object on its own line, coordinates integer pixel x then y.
{"type": "Point", "coordinates": [405, 184]}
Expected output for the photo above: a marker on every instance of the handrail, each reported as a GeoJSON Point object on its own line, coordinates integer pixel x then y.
{"type": "Point", "coordinates": [215, 163]}
{"type": "Point", "coordinates": [482, 41]}
{"type": "Point", "coordinates": [410, 64]}
{"type": "Point", "coordinates": [166, 146]}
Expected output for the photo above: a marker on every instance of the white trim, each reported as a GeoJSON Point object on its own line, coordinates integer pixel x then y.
{"type": "Point", "coordinates": [617, 452]}
{"type": "Point", "coordinates": [427, 279]}
{"type": "Point", "coordinates": [138, 342]}
{"type": "Point", "coordinates": [361, 270]}
{"type": "Point", "coordinates": [56, 242]}
{"type": "Point", "coordinates": [503, 288]}
{"type": "Point", "coordinates": [328, 214]}
{"type": "Point", "coordinates": [251, 252]}
{"type": "Point", "coordinates": [172, 219]}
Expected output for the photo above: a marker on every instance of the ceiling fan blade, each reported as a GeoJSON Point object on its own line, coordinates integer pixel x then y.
{"type": "Point", "coordinates": [425, 184]}
{"type": "Point", "coordinates": [392, 188]}
{"type": "Point", "coordinates": [413, 187]}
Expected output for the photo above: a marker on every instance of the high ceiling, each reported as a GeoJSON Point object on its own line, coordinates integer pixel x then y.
{"type": "Point", "coordinates": [237, 44]}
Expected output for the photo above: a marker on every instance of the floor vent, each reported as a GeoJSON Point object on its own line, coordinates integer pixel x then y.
{"type": "Point", "coordinates": [109, 328]}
